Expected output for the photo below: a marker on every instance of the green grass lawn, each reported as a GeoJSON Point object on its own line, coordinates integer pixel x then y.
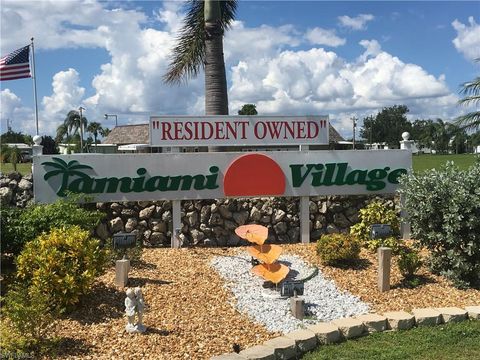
{"type": "Point", "coordinates": [420, 163]}
{"type": "Point", "coordinates": [460, 341]}
{"type": "Point", "coordinates": [25, 168]}
{"type": "Point", "coordinates": [426, 161]}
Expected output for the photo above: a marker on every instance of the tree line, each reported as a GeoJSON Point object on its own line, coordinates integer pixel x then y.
{"type": "Point", "coordinates": [67, 133]}
{"type": "Point", "coordinates": [71, 131]}
{"type": "Point", "coordinates": [388, 125]}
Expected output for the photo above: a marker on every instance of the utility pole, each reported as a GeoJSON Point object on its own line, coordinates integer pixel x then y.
{"type": "Point", "coordinates": [354, 120]}
{"type": "Point", "coordinates": [81, 128]}
{"type": "Point", "coordinates": [371, 132]}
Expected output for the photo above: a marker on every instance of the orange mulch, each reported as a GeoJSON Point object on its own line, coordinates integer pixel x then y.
{"type": "Point", "coordinates": [190, 314]}
{"type": "Point", "coordinates": [433, 291]}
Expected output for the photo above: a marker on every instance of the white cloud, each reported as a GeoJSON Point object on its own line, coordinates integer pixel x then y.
{"type": "Point", "coordinates": [467, 41]}
{"type": "Point", "coordinates": [355, 23]}
{"type": "Point", "coordinates": [321, 80]}
{"type": "Point", "coordinates": [372, 48]}
{"type": "Point", "coordinates": [241, 42]}
{"type": "Point", "coordinates": [10, 101]}
{"type": "Point", "coordinates": [60, 24]}
{"type": "Point", "coordinates": [168, 15]}
{"type": "Point", "coordinates": [319, 36]}
{"type": "Point", "coordinates": [19, 117]}
{"type": "Point", "coordinates": [67, 95]}
{"type": "Point", "coordinates": [132, 81]}
{"type": "Point", "coordinates": [264, 66]}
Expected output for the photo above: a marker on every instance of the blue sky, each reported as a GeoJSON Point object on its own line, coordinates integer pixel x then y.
{"type": "Point", "coordinates": [338, 58]}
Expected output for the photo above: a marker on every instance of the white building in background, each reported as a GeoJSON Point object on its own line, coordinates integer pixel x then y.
{"type": "Point", "coordinates": [377, 146]}
{"type": "Point", "coordinates": [65, 149]}
{"type": "Point", "coordinates": [133, 148]}
{"type": "Point", "coordinates": [25, 151]}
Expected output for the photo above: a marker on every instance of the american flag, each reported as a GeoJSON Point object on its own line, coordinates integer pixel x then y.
{"type": "Point", "coordinates": [15, 65]}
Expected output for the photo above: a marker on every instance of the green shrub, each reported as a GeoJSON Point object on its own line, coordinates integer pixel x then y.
{"type": "Point", "coordinates": [19, 227]}
{"type": "Point", "coordinates": [409, 262]}
{"type": "Point", "coordinates": [392, 242]}
{"type": "Point", "coordinates": [11, 243]}
{"type": "Point", "coordinates": [443, 207]}
{"type": "Point", "coordinates": [337, 248]}
{"type": "Point", "coordinates": [62, 263]}
{"type": "Point", "coordinates": [26, 319]}
{"type": "Point", "coordinates": [375, 213]}
{"type": "Point", "coordinates": [12, 343]}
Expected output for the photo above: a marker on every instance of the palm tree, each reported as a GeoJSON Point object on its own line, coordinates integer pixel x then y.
{"type": "Point", "coordinates": [73, 122]}
{"type": "Point", "coordinates": [94, 128]}
{"type": "Point", "coordinates": [442, 136]}
{"type": "Point", "coordinates": [62, 130]}
{"type": "Point", "coordinates": [104, 132]}
{"type": "Point", "coordinates": [11, 154]}
{"type": "Point", "coordinates": [66, 170]}
{"type": "Point", "coordinates": [200, 44]}
{"type": "Point", "coordinates": [471, 91]}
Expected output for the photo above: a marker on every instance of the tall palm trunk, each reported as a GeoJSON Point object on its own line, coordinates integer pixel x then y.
{"type": "Point", "coordinates": [216, 98]}
{"type": "Point", "coordinates": [200, 44]}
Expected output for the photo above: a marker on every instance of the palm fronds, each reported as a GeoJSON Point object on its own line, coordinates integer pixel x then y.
{"type": "Point", "coordinates": [470, 121]}
{"type": "Point", "coordinates": [471, 92]}
{"type": "Point", "coordinates": [188, 55]}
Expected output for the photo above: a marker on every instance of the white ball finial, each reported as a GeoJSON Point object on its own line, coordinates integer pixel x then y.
{"type": "Point", "coordinates": [37, 139]}
{"type": "Point", "coordinates": [405, 135]}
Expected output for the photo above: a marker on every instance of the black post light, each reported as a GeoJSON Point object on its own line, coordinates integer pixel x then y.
{"type": "Point", "coordinates": [113, 115]}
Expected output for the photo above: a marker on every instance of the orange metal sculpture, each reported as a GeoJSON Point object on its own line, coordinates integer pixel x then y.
{"type": "Point", "coordinates": [254, 233]}
{"type": "Point", "coordinates": [269, 269]}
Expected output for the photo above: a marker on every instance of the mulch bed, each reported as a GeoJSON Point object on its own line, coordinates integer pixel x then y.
{"type": "Point", "coordinates": [361, 280]}
{"type": "Point", "coordinates": [189, 313]}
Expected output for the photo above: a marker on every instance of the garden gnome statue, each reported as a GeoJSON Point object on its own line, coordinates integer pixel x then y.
{"type": "Point", "coordinates": [140, 308]}
{"type": "Point", "coordinates": [130, 305]}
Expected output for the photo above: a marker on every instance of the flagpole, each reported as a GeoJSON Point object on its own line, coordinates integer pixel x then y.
{"type": "Point", "coordinates": [34, 87]}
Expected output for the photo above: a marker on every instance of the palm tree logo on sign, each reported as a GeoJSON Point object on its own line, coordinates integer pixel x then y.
{"type": "Point", "coordinates": [269, 268]}
{"type": "Point", "coordinates": [66, 170]}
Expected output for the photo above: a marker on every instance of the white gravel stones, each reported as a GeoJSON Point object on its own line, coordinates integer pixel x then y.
{"type": "Point", "coordinates": [323, 301]}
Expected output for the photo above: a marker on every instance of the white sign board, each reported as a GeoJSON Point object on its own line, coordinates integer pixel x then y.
{"type": "Point", "coordinates": [181, 176]}
{"type": "Point", "coordinates": [238, 130]}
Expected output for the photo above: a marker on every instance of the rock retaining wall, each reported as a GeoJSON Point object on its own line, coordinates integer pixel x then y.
{"type": "Point", "coordinates": [16, 190]}
{"type": "Point", "coordinates": [210, 222]}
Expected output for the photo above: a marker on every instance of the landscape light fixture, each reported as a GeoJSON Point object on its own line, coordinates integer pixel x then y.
{"type": "Point", "coordinates": [123, 241]}
{"type": "Point", "coordinates": [380, 231]}
{"type": "Point", "coordinates": [292, 288]}
{"type": "Point", "coordinates": [107, 115]}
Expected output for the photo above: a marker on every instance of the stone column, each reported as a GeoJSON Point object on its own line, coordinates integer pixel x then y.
{"type": "Point", "coordinates": [122, 268]}
{"type": "Point", "coordinates": [37, 150]}
{"type": "Point", "coordinates": [304, 212]}
{"type": "Point", "coordinates": [384, 262]}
